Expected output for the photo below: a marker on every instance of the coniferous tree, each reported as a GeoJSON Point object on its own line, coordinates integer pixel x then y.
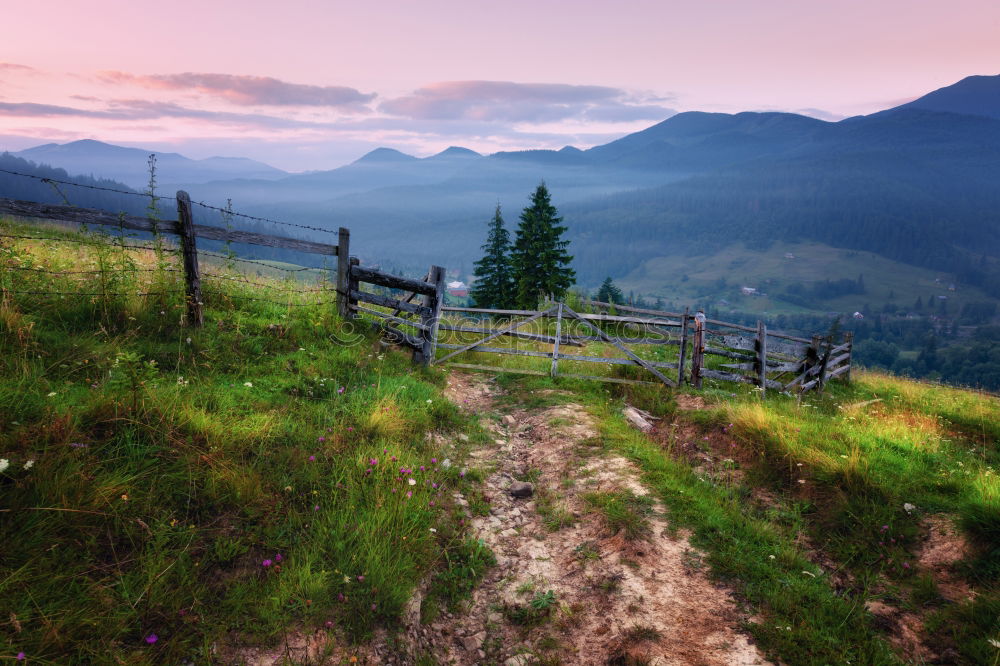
{"type": "Point", "coordinates": [494, 287]}
{"type": "Point", "coordinates": [610, 293]}
{"type": "Point", "coordinates": [539, 258]}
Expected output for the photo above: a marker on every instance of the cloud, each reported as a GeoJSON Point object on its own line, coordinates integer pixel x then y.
{"type": "Point", "coordinates": [821, 114]}
{"type": "Point", "coordinates": [14, 67]}
{"type": "Point", "coordinates": [251, 90]}
{"type": "Point", "coordinates": [507, 101]}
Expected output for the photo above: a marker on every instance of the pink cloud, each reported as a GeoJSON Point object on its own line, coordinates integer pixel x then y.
{"type": "Point", "coordinates": [508, 101]}
{"type": "Point", "coordinates": [250, 90]}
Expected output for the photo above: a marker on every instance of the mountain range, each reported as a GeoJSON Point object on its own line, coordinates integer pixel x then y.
{"type": "Point", "coordinates": [916, 185]}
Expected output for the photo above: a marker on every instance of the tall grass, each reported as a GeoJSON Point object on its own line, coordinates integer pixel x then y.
{"type": "Point", "coordinates": [167, 488]}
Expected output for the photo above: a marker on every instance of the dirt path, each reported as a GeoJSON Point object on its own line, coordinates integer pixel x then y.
{"type": "Point", "coordinates": [617, 600]}
{"type": "Point", "coordinates": [602, 596]}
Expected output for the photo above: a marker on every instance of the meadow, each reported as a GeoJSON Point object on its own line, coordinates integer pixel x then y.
{"type": "Point", "coordinates": [169, 490]}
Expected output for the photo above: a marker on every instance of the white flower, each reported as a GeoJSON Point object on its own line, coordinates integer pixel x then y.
{"type": "Point", "coordinates": [429, 401]}
{"type": "Point", "coordinates": [908, 507]}
{"type": "Point", "coordinates": [29, 464]}
{"type": "Point", "coordinates": [4, 464]}
{"type": "Point", "coordinates": [446, 463]}
{"type": "Point", "coordinates": [248, 384]}
{"type": "Point", "coordinates": [994, 643]}
{"type": "Point", "coordinates": [412, 482]}
{"type": "Point", "coordinates": [433, 530]}
{"type": "Point", "coordinates": [770, 557]}
{"type": "Point", "coordinates": [52, 394]}
{"type": "Point", "coordinates": [189, 340]}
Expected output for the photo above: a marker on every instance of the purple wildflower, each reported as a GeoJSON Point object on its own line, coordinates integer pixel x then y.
{"type": "Point", "coordinates": [312, 458]}
{"type": "Point", "coordinates": [316, 508]}
{"type": "Point", "coordinates": [373, 462]}
{"type": "Point", "coordinates": [409, 493]}
{"type": "Point", "coordinates": [322, 439]}
{"type": "Point", "coordinates": [278, 557]}
{"type": "Point", "coordinates": [265, 563]}
{"type": "Point", "coordinates": [20, 656]}
{"type": "Point", "coordinates": [361, 578]}
{"type": "Point", "coordinates": [152, 638]}
{"type": "Point", "coordinates": [434, 461]}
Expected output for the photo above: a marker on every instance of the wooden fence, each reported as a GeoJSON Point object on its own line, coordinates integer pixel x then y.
{"type": "Point", "coordinates": [418, 318]}
{"type": "Point", "coordinates": [753, 355]}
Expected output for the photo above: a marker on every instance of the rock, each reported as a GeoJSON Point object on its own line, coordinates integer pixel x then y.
{"type": "Point", "coordinates": [471, 643]}
{"type": "Point", "coordinates": [463, 437]}
{"type": "Point", "coordinates": [499, 442]}
{"type": "Point", "coordinates": [520, 660]}
{"type": "Point", "coordinates": [509, 533]}
{"type": "Point", "coordinates": [509, 420]}
{"type": "Point", "coordinates": [521, 489]}
{"type": "Point", "coordinates": [638, 418]}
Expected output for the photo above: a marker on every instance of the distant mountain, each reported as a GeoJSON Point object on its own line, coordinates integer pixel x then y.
{"type": "Point", "coordinates": [128, 165]}
{"type": "Point", "coordinates": [384, 155]}
{"type": "Point", "coordinates": [973, 95]}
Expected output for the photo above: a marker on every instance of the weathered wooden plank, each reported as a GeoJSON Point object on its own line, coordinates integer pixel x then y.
{"type": "Point", "coordinates": [735, 342]}
{"type": "Point", "coordinates": [499, 350]}
{"type": "Point", "coordinates": [410, 296]}
{"type": "Point", "coordinates": [839, 371]}
{"type": "Point", "coordinates": [762, 356]}
{"type": "Point", "coordinates": [434, 301]}
{"type": "Point", "coordinates": [493, 335]}
{"type": "Point", "coordinates": [615, 361]}
{"type": "Point", "coordinates": [389, 302]}
{"type": "Point", "coordinates": [771, 366]}
{"type": "Point", "coordinates": [392, 281]}
{"type": "Point", "coordinates": [630, 341]}
{"type": "Point", "coordinates": [491, 368]}
{"type": "Point", "coordinates": [738, 327]}
{"type": "Point", "coordinates": [683, 345]}
{"type": "Point", "coordinates": [809, 385]}
{"type": "Point", "coordinates": [613, 380]}
{"type": "Point", "coordinates": [785, 336]}
{"type": "Point", "coordinates": [536, 337]}
{"type": "Point", "coordinates": [834, 362]}
{"type": "Point", "coordinates": [265, 240]}
{"type": "Point", "coordinates": [88, 216]}
{"type": "Point", "coordinates": [631, 320]}
{"type": "Point", "coordinates": [629, 308]}
{"type": "Point", "coordinates": [400, 337]}
{"type": "Point", "coordinates": [453, 308]}
{"type": "Point", "coordinates": [659, 375]}
{"type": "Point", "coordinates": [715, 351]}
{"type": "Point", "coordinates": [388, 317]}
{"type": "Point", "coordinates": [775, 347]}
{"type": "Point", "coordinates": [344, 274]}
{"type": "Point", "coordinates": [841, 348]}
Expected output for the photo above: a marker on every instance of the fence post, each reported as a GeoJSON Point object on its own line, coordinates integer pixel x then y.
{"type": "Point", "coordinates": [823, 363]}
{"type": "Point", "coordinates": [684, 342]}
{"type": "Point", "coordinates": [189, 248]}
{"type": "Point", "coordinates": [555, 345]}
{"type": "Point", "coordinates": [352, 286]}
{"type": "Point", "coordinates": [849, 339]}
{"type": "Point", "coordinates": [343, 273]}
{"type": "Point", "coordinates": [698, 350]}
{"type": "Point", "coordinates": [433, 302]}
{"type": "Point", "coordinates": [762, 357]}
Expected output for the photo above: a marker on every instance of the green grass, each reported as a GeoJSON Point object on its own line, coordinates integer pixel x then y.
{"type": "Point", "coordinates": [206, 484]}
{"type": "Point", "coordinates": [860, 462]}
{"type": "Point", "coordinates": [623, 512]}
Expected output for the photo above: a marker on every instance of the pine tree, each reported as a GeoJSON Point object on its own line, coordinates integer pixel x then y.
{"type": "Point", "coordinates": [610, 293]}
{"type": "Point", "coordinates": [539, 258]}
{"type": "Point", "coordinates": [494, 287]}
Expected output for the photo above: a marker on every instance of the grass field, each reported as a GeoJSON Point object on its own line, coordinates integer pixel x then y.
{"type": "Point", "coordinates": [770, 272]}
{"type": "Point", "coordinates": [168, 490]}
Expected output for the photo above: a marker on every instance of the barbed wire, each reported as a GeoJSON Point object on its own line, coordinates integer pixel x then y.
{"type": "Point", "coordinates": [46, 179]}
{"type": "Point", "coordinates": [262, 262]}
{"type": "Point", "coordinates": [94, 293]}
{"type": "Point", "coordinates": [82, 242]}
{"type": "Point", "coordinates": [226, 211]}
{"type": "Point", "coordinates": [268, 300]}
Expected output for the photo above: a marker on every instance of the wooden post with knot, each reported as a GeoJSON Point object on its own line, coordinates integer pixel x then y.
{"type": "Point", "coordinates": [189, 248]}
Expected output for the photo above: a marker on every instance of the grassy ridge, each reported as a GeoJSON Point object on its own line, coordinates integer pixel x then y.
{"type": "Point", "coordinates": [165, 486]}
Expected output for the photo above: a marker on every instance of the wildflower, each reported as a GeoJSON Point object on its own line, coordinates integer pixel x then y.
{"type": "Point", "coordinates": [248, 384]}
{"type": "Point", "coordinates": [373, 461]}
{"type": "Point", "coordinates": [770, 557]}
{"type": "Point", "coordinates": [423, 469]}
{"type": "Point", "coordinates": [409, 493]}
{"type": "Point", "coordinates": [374, 606]}
{"type": "Point", "coordinates": [434, 461]}
{"type": "Point", "coordinates": [29, 464]}
{"type": "Point", "coordinates": [994, 643]}
{"type": "Point", "coordinates": [429, 401]}
{"type": "Point", "coordinates": [278, 557]}
{"type": "Point", "coordinates": [361, 578]}
{"type": "Point", "coordinates": [802, 480]}
{"type": "Point", "coordinates": [446, 463]}
{"type": "Point", "coordinates": [884, 528]}
{"type": "Point", "coordinates": [124, 497]}
{"type": "Point", "coordinates": [350, 429]}
{"type": "Point", "coordinates": [52, 394]}
{"type": "Point", "coordinates": [266, 563]}
{"type": "Point", "coordinates": [312, 458]}
{"type": "Point", "coordinates": [4, 464]}
{"type": "Point", "coordinates": [321, 439]}
{"type": "Point", "coordinates": [316, 507]}
{"type": "Point", "coordinates": [152, 638]}
{"type": "Point", "coordinates": [341, 597]}
{"type": "Point", "coordinates": [906, 565]}
{"type": "Point", "coordinates": [433, 530]}
{"type": "Point", "coordinates": [340, 390]}
{"type": "Point", "coordinates": [908, 507]}
{"type": "Point", "coordinates": [412, 481]}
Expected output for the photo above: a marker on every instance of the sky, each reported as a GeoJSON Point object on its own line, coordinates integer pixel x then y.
{"type": "Point", "coordinates": [314, 84]}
